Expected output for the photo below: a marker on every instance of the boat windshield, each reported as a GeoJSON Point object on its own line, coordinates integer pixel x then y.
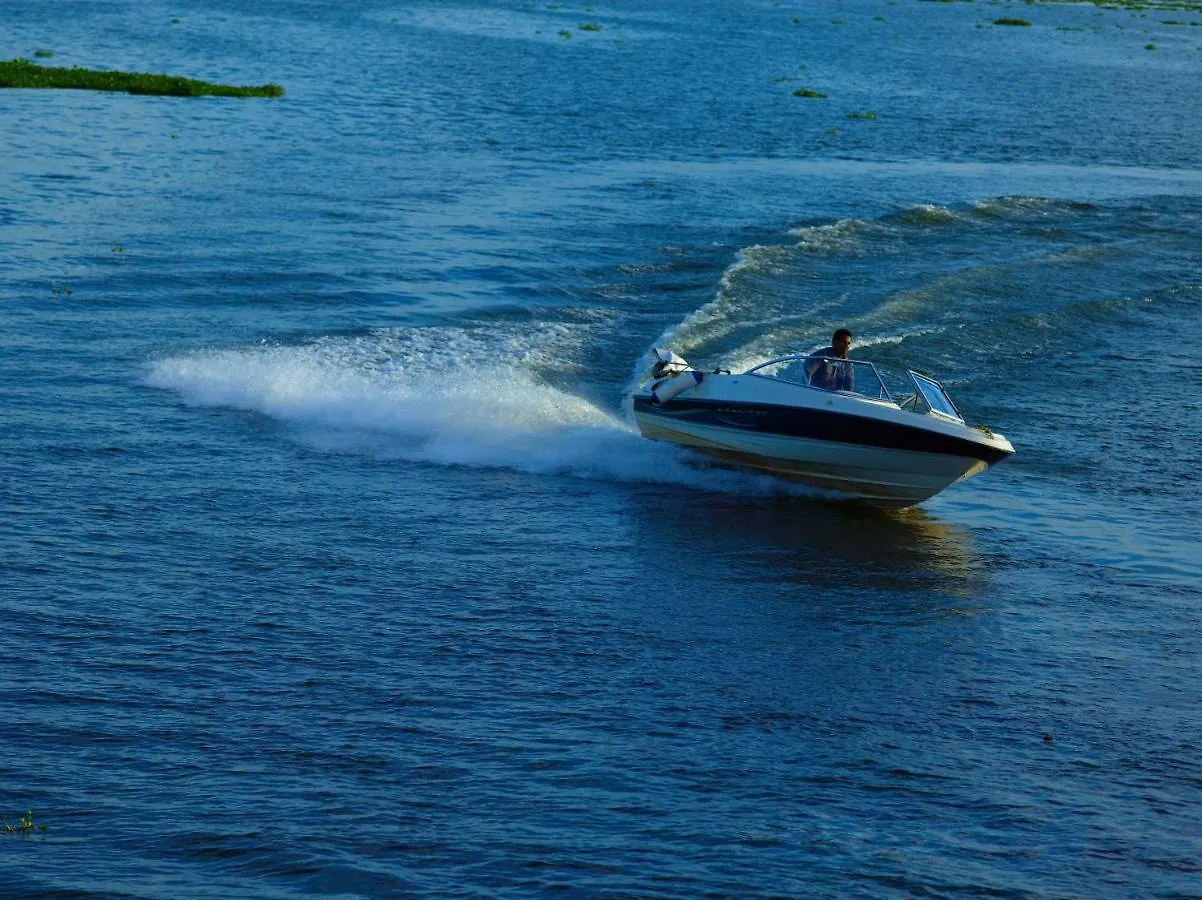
{"type": "Point", "coordinates": [935, 396]}
{"type": "Point", "coordinates": [826, 373]}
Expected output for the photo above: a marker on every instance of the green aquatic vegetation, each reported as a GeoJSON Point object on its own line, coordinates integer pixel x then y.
{"type": "Point", "coordinates": [1020, 22]}
{"type": "Point", "coordinates": [806, 92]}
{"type": "Point", "coordinates": [25, 825]}
{"type": "Point", "coordinates": [590, 26]}
{"type": "Point", "coordinates": [43, 54]}
{"type": "Point", "coordinates": [21, 73]}
{"type": "Point", "coordinates": [564, 33]}
{"type": "Point", "coordinates": [866, 116]}
{"type": "Point", "coordinates": [1139, 6]}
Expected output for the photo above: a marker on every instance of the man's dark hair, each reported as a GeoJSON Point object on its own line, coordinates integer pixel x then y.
{"type": "Point", "coordinates": [842, 332]}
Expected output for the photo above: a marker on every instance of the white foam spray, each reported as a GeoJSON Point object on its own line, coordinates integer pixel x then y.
{"type": "Point", "coordinates": [431, 395]}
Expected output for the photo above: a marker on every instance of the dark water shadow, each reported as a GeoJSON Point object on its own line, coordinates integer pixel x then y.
{"type": "Point", "coordinates": [817, 544]}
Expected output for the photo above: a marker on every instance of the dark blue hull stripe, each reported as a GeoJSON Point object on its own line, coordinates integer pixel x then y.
{"type": "Point", "coordinates": [816, 424]}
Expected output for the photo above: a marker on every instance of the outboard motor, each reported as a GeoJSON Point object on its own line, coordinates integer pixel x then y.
{"type": "Point", "coordinates": [676, 384]}
{"type": "Point", "coordinates": [676, 374]}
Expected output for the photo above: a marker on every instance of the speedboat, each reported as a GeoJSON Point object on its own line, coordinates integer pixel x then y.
{"type": "Point", "coordinates": [850, 437]}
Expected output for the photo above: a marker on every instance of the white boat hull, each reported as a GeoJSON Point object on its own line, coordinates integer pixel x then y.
{"type": "Point", "coordinates": [863, 447]}
{"type": "Point", "coordinates": [892, 478]}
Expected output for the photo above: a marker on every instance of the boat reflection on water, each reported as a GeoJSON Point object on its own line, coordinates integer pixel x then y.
{"type": "Point", "coordinates": [820, 545]}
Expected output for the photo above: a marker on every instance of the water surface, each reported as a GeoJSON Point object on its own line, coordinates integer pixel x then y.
{"type": "Point", "coordinates": [333, 565]}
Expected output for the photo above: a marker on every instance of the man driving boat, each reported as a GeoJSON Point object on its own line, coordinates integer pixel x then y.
{"type": "Point", "coordinates": [823, 372]}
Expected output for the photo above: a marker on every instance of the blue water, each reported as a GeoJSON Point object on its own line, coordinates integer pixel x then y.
{"type": "Point", "coordinates": [331, 564]}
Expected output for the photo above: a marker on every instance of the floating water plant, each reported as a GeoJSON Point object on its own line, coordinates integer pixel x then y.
{"type": "Point", "coordinates": [590, 26]}
{"type": "Point", "coordinates": [43, 54]}
{"type": "Point", "coordinates": [25, 825]}
{"type": "Point", "coordinates": [1138, 6]}
{"type": "Point", "coordinates": [564, 33]}
{"type": "Point", "coordinates": [21, 73]}
{"type": "Point", "coordinates": [1021, 22]}
{"type": "Point", "coordinates": [806, 92]}
{"type": "Point", "coordinates": [867, 116]}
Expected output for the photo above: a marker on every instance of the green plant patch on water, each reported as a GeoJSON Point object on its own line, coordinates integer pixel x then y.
{"type": "Point", "coordinates": [1020, 22]}
{"type": "Point", "coordinates": [43, 54]}
{"type": "Point", "coordinates": [866, 116]}
{"type": "Point", "coordinates": [806, 92]}
{"type": "Point", "coordinates": [25, 825]}
{"type": "Point", "coordinates": [21, 73]}
{"type": "Point", "coordinates": [590, 26]}
{"type": "Point", "coordinates": [1136, 5]}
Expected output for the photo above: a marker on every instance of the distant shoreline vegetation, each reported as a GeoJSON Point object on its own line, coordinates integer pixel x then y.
{"type": "Point", "coordinates": [21, 73]}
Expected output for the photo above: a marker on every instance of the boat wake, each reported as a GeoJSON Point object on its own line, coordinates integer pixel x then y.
{"type": "Point", "coordinates": [394, 394]}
